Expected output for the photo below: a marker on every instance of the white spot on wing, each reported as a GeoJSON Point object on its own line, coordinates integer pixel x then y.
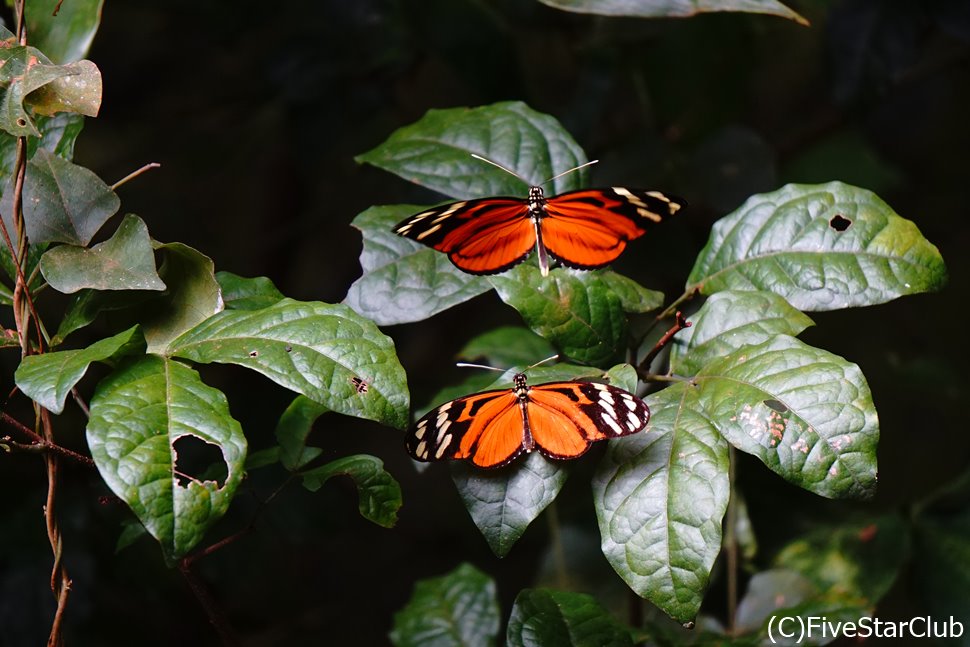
{"type": "Point", "coordinates": [612, 423]}
{"type": "Point", "coordinates": [441, 448]}
{"type": "Point", "coordinates": [422, 449]}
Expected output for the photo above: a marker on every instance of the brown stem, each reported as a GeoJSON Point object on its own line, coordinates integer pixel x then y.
{"type": "Point", "coordinates": [216, 617]}
{"type": "Point", "coordinates": [40, 444]}
{"type": "Point", "coordinates": [134, 174]}
{"type": "Point", "coordinates": [679, 324]}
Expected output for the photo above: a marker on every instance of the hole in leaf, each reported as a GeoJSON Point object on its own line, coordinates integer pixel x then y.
{"type": "Point", "coordinates": [21, 122]}
{"type": "Point", "coordinates": [776, 405]}
{"type": "Point", "coordinates": [254, 353]}
{"type": "Point", "coordinates": [839, 222]}
{"type": "Point", "coordinates": [197, 460]}
{"type": "Point", "coordinates": [359, 385]}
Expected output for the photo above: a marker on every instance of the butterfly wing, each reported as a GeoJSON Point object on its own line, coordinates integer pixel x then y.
{"type": "Point", "coordinates": [486, 427]}
{"type": "Point", "coordinates": [565, 418]}
{"type": "Point", "coordinates": [485, 236]}
{"type": "Point", "coordinates": [590, 228]}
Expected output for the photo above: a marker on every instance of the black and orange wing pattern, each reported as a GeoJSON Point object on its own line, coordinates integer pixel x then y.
{"type": "Point", "coordinates": [584, 229]}
{"type": "Point", "coordinates": [590, 228]}
{"type": "Point", "coordinates": [484, 236]}
{"type": "Point", "coordinates": [560, 419]}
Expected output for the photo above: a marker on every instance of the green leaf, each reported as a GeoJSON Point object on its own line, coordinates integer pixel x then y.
{"type": "Point", "coordinates": [634, 298]}
{"type": "Point", "coordinates": [48, 378]}
{"type": "Point", "coordinates": [240, 293]}
{"type": "Point", "coordinates": [456, 610]}
{"type": "Point", "coordinates": [192, 296]}
{"type": "Point", "coordinates": [503, 502]}
{"type": "Point", "coordinates": [312, 348]}
{"type": "Point", "coordinates": [86, 305]}
{"type": "Point", "coordinates": [436, 151]}
{"type": "Point", "coordinates": [262, 458]}
{"type": "Point", "coordinates": [27, 78]}
{"type": "Point", "coordinates": [673, 8]}
{"type": "Point", "coordinates": [729, 320]}
{"type": "Point", "coordinates": [507, 346]}
{"type": "Point", "coordinates": [380, 494]}
{"type": "Point", "coordinates": [660, 496]}
{"type": "Point", "coordinates": [138, 415]}
{"type": "Point", "coordinates": [125, 261]}
{"type": "Point", "coordinates": [770, 591]}
{"type": "Point", "coordinates": [822, 247]}
{"type": "Point", "coordinates": [65, 35]}
{"type": "Point", "coordinates": [58, 134]}
{"type": "Point", "coordinates": [578, 312]}
{"type": "Point", "coordinates": [292, 430]}
{"type": "Point", "coordinates": [861, 559]}
{"type": "Point", "coordinates": [806, 413]}
{"type": "Point", "coordinates": [403, 280]}
{"type": "Point", "coordinates": [544, 617]}
{"type": "Point", "coordinates": [63, 202]}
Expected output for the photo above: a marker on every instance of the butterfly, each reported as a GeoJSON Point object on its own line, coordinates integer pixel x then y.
{"type": "Point", "coordinates": [560, 419]}
{"type": "Point", "coordinates": [585, 229]}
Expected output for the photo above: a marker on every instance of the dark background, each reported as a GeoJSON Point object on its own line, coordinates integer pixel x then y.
{"type": "Point", "coordinates": [256, 112]}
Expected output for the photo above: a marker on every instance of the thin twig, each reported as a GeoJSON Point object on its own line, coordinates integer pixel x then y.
{"type": "Point", "coordinates": [40, 444]}
{"type": "Point", "coordinates": [731, 545]}
{"type": "Point", "coordinates": [680, 323]}
{"type": "Point", "coordinates": [216, 618]}
{"type": "Point", "coordinates": [134, 174]}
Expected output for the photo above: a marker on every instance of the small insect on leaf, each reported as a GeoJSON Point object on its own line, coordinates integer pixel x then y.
{"type": "Point", "coordinates": [359, 385]}
{"type": "Point", "coordinates": [778, 406]}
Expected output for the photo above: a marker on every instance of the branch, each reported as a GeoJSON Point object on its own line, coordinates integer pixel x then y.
{"type": "Point", "coordinates": [679, 324]}
{"type": "Point", "coordinates": [39, 443]}
{"type": "Point", "coordinates": [134, 174]}
{"type": "Point", "coordinates": [216, 617]}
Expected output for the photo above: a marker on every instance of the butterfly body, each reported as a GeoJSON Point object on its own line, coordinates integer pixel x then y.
{"type": "Point", "coordinates": [585, 229]}
{"type": "Point", "coordinates": [560, 419]}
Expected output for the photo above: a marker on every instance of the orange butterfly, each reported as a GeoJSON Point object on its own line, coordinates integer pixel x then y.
{"type": "Point", "coordinates": [560, 419]}
{"type": "Point", "coordinates": [584, 229]}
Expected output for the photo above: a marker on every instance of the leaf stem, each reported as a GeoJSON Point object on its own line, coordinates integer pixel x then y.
{"type": "Point", "coordinates": [134, 174]}
{"type": "Point", "coordinates": [679, 324]}
{"type": "Point", "coordinates": [731, 545]}
{"type": "Point", "coordinates": [216, 617]}
{"type": "Point", "coordinates": [558, 552]}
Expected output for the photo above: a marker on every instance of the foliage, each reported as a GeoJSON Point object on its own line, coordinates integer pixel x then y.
{"type": "Point", "coordinates": [736, 378]}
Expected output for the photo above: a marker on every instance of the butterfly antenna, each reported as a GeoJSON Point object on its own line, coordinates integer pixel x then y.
{"type": "Point", "coordinates": [497, 165]}
{"type": "Point", "coordinates": [575, 168]}
{"type": "Point", "coordinates": [543, 361]}
{"type": "Point", "coordinates": [467, 365]}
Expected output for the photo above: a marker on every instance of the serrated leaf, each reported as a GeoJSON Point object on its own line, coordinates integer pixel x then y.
{"type": "Point", "coordinates": [193, 295]}
{"type": "Point", "coordinates": [727, 321]}
{"type": "Point", "coordinates": [48, 378]}
{"type": "Point", "coordinates": [543, 617]}
{"type": "Point", "coordinates": [63, 202]}
{"type": "Point", "coordinates": [457, 609]}
{"type": "Point", "coordinates": [380, 494]}
{"type": "Point", "coordinates": [660, 496]}
{"type": "Point", "coordinates": [436, 151]}
{"type": "Point", "coordinates": [126, 261]}
{"type": "Point", "coordinates": [241, 293]}
{"type": "Point", "coordinates": [862, 559]}
{"type": "Point", "coordinates": [503, 502]}
{"type": "Point", "coordinates": [312, 348]}
{"type": "Point", "coordinates": [292, 430]}
{"type": "Point", "coordinates": [404, 281]}
{"type": "Point", "coordinates": [63, 30]}
{"type": "Point", "coordinates": [138, 413]}
{"type": "Point", "coordinates": [578, 312]}
{"type": "Point", "coordinates": [806, 413]}
{"type": "Point", "coordinates": [822, 247]}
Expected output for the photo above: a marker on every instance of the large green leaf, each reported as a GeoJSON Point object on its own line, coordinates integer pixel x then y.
{"type": "Point", "coordinates": [729, 320]}
{"type": "Point", "coordinates": [193, 295]}
{"type": "Point", "coordinates": [543, 617]}
{"type": "Point", "coordinates": [673, 8]}
{"type": "Point", "coordinates": [63, 30]}
{"type": "Point", "coordinates": [63, 202]}
{"type": "Point", "coordinates": [459, 609]}
{"type": "Point", "coordinates": [312, 348]}
{"type": "Point", "coordinates": [49, 377]}
{"type": "Point", "coordinates": [436, 151]}
{"type": "Point", "coordinates": [507, 346]}
{"type": "Point", "coordinates": [503, 502]}
{"type": "Point", "coordinates": [660, 496]}
{"type": "Point", "coordinates": [58, 135]}
{"type": "Point", "coordinates": [806, 413]}
{"type": "Point", "coordinates": [126, 261]}
{"type": "Point", "coordinates": [139, 414]}
{"type": "Point", "coordinates": [380, 494]}
{"type": "Point", "coordinates": [403, 280]}
{"type": "Point", "coordinates": [822, 247]}
{"type": "Point", "coordinates": [578, 312]}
